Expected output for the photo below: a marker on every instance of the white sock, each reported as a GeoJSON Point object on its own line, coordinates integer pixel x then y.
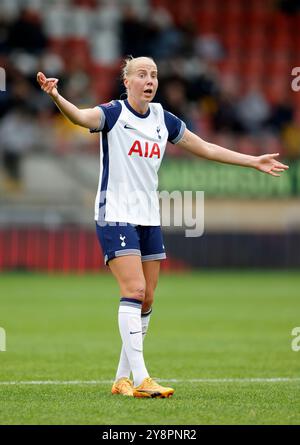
{"type": "Point", "coordinates": [124, 366]}
{"type": "Point", "coordinates": [145, 321]}
{"type": "Point", "coordinates": [130, 327]}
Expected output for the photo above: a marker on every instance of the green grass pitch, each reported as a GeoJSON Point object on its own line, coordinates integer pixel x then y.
{"type": "Point", "coordinates": [208, 325]}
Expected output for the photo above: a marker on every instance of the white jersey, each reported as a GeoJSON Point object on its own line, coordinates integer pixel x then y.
{"type": "Point", "coordinates": [132, 146]}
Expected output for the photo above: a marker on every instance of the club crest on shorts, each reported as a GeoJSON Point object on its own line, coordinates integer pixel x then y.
{"type": "Point", "coordinates": [122, 238]}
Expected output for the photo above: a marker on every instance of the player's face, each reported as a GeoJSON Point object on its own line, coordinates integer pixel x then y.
{"type": "Point", "coordinates": [142, 82]}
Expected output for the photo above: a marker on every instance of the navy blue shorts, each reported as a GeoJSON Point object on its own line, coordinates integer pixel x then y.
{"type": "Point", "coordinates": [120, 239]}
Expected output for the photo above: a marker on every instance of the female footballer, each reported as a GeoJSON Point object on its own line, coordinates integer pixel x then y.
{"type": "Point", "coordinates": [133, 137]}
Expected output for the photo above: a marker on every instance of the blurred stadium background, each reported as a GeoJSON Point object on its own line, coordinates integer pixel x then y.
{"type": "Point", "coordinates": [224, 68]}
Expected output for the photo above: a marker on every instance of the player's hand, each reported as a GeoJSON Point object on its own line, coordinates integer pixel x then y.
{"type": "Point", "coordinates": [268, 164]}
{"type": "Point", "coordinates": [48, 84]}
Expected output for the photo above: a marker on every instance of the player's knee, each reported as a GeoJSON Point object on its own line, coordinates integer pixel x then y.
{"type": "Point", "coordinates": [136, 289]}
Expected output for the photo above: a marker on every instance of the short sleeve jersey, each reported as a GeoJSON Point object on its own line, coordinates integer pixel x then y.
{"type": "Point", "coordinates": [132, 146]}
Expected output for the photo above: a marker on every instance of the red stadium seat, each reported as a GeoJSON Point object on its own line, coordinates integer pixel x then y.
{"type": "Point", "coordinates": [86, 3]}
{"type": "Point", "coordinates": [76, 52]}
{"type": "Point", "coordinates": [254, 39]}
{"type": "Point", "coordinates": [252, 67]}
{"type": "Point", "coordinates": [104, 80]}
{"type": "Point", "coordinates": [207, 22]}
{"type": "Point", "coordinates": [275, 88]}
{"type": "Point", "coordinates": [56, 45]}
{"type": "Point", "coordinates": [232, 40]}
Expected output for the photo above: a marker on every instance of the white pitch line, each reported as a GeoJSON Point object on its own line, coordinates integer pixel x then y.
{"type": "Point", "coordinates": [106, 382]}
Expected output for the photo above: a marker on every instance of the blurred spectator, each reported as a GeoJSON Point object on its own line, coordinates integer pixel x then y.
{"type": "Point", "coordinates": [226, 117]}
{"type": "Point", "coordinates": [281, 116]}
{"type": "Point", "coordinates": [77, 89]}
{"type": "Point", "coordinates": [165, 39]}
{"type": "Point", "coordinates": [202, 86]}
{"type": "Point", "coordinates": [173, 98]}
{"type": "Point", "coordinates": [17, 92]}
{"type": "Point", "coordinates": [4, 25]}
{"type": "Point", "coordinates": [134, 34]}
{"type": "Point", "coordinates": [18, 134]}
{"type": "Point", "coordinates": [253, 110]}
{"type": "Point", "coordinates": [289, 6]}
{"type": "Point", "coordinates": [291, 137]}
{"type": "Point", "coordinates": [26, 33]}
{"type": "Point", "coordinates": [51, 63]}
{"type": "Point", "coordinates": [209, 47]}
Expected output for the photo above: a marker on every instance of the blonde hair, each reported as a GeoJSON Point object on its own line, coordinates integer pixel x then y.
{"type": "Point", "coordinates": [127, 65]}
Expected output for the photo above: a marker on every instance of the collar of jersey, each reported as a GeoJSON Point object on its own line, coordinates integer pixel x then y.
{"type": "Point", "coordinates": [142, 116]}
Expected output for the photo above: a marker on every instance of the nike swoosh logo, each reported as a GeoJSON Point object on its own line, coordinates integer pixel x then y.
{"type": "Point", "coordinates": [135, 332]}
{"type": "Point", "coordinates": [129, 127]}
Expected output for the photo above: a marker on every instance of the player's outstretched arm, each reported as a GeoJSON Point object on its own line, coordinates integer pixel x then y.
{"type": "Point", "coordinates": [88, 117]}
{"type": "Point", "coordinates": [265, 163]}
